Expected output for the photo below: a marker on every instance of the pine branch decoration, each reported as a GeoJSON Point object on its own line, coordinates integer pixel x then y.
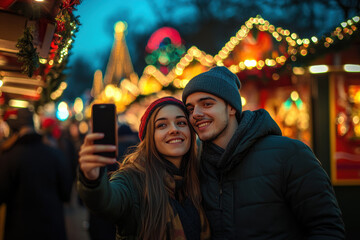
{"type": "Point", "coordinates": [27, 54]}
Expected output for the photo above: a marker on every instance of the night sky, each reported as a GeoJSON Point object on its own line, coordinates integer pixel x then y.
{"type": "Point", "coordinates": [95, 33]}
{"type": "Point", "coordinates": [95, 36]}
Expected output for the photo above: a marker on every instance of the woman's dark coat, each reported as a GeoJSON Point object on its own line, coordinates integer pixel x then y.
{"type": "Point", "coordinates": [117, 201]}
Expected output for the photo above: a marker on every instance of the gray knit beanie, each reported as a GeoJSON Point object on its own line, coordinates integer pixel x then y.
{"type": "Point", "coordinates": [220, 82]}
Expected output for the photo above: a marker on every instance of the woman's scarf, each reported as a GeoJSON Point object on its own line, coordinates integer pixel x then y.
{"type": "Point", "coordinates": [174, 228]}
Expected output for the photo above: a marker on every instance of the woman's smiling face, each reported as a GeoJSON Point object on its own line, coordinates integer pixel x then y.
{"type": "Point", "coordinates": [172, 134]}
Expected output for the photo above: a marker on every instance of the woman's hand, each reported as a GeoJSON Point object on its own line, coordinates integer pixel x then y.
{"type": "Point", "coordinates": [89, 162]}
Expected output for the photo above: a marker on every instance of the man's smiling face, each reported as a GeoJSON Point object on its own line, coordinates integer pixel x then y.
{"type": "Point", "coordinates": [209, 115]}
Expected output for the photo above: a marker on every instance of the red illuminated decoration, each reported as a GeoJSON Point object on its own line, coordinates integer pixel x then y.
{"type": "Point", "coordinates": [257, 45]}
{"type": "Point", "coordinates": [258, 52]}
{"type": "Point", "coordinates": [159, 35]}
{"type": "Point", "coordinates": [6, 3]}
{"type": "Point", "coordinates": [165, 49]}
{"type": "Point", "coordinates": [345, 107]}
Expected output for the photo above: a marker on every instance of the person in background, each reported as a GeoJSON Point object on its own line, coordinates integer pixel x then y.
{"type": "Point", "coordinates": [255, 183]}
{"type": "Point", "coordinates": [127, 139]}
{"type": "Point", "coordinates": [73, 133]}
{"type": "Point", "coordinates": [155, 194]}
{"type": "Point", "coordinates": [35, 182]}
{"type": "Point", "coordinates": [4, 130]}
{"type": "Point", "coordinates": [51, 131]}
{"type": "Point", "coordinates": [54, 136]}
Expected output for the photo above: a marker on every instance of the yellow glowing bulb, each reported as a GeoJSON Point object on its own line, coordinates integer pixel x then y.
{"type": "Point", "coordinates": [83, 127]}
{"type": "Point", "coordinates": [63, 85]}
{"type": "Point", "coordinates": [18, 103]}
{"type": "Point", "coordinates": [294, 95]}
{"type": "Point", "coordinates": [243, 101]}
{"type": "Point", "coordinates": [184, 82]}
{"type": "Point", "coordinates": [109, 91]}
{"type": "Point", "coordinates": [78, 105]}
{"type": "Point", "coordinates": [79, 116]}
{"type": "Point", "coordinates": [314, 39]}
{"type": "Point", "coordinates": [298, 71]}
{"type": "Point", "coordinates": [356, 119]}
{"type": "Point", "coordinates": [43, 60]}
{"type": "Point", "coordinates": [306, 41]}
{"type": "Point", "coordinates": [340, 120]}
{"type": "Point", "coordinates": [357, 97]}
{"type": "Point", "coordinates": [176, 82]}
{"type": "Point", "coordinates": [319, 69]}
{"type": "Point", "coordinates": [62, 106]}
{"type": "Point", "coordinates": [118, 95]}
{"type": "Point", "coordinates": [250, 63]}
{"type": "Point", "coordinates": [352, 67]}
{"type": "Point", "coordinates": [303, 52]}
{"type": "Point", "coordinates": [53, 96]}
{"type": "Point", "coordinates": [120, 26]}
{"type": "Point", "coordinates": [357, 130]}
{"type": "Point", "coordinates": [275, 76]}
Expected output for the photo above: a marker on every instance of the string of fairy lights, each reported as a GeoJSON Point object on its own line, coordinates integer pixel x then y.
{"type": "Point", "coordinates": [155, 82]}
{"type": "Point", "coordinates": [130, 94]}
{"type": "Point", "coordinates": [341, 33]}
{"type": "Point", "coordinates": [296, 48]}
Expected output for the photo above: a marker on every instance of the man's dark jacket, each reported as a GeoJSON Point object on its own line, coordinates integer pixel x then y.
{"type": "Point", "coordinates": [265, 186]}
{"type": "Point", "coordinates": [35, 181]}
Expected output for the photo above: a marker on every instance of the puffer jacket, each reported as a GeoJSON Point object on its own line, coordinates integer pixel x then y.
{"type": "Point", "coordinates": [265, 186]}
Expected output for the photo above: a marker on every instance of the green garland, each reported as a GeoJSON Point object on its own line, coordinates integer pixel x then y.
{"type": "Point", "coordinates": [27, 54]}
{"type": "Point", "coordinates": [69, 24]}
{"type": "Point", "coordinates": [63, 38]}
{"type": "Point", "coordinates": [167, 55]}
{"type": "Point", "coordinates": [53, 79]}
{"type": "Point", "coordinates": [56, 76]}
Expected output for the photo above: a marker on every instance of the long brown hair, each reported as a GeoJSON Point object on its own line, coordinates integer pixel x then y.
{"type": "Point", "coordinates": [156, 198]}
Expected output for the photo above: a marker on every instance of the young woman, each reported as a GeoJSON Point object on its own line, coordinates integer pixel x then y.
{"type": "Point", "coordinates": [155, 194]}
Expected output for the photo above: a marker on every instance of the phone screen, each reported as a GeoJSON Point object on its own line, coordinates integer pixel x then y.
{"type": "Point", "coordinates": [104, 121]}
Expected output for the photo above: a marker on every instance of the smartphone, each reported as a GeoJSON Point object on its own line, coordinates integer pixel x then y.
{"type": "Point", "coordinates": [104, 121]}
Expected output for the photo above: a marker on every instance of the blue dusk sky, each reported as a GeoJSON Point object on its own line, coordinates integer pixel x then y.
{"type": "Point", "coordinates": [94, 37]}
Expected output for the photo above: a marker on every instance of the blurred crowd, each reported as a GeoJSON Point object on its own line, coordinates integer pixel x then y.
{"type": "Point", "coordinates": [38, 163]}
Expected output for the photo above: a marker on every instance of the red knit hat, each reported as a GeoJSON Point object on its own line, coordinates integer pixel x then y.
{"type": "Point", "coordinates": [154, 105]}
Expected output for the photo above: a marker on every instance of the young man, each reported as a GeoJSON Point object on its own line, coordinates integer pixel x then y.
{"type": "Point", "coordinates": [255, 183]}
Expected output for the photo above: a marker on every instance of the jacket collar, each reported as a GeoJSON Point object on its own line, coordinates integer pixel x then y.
{"type": "Point", "coordinates": [253, 125]}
